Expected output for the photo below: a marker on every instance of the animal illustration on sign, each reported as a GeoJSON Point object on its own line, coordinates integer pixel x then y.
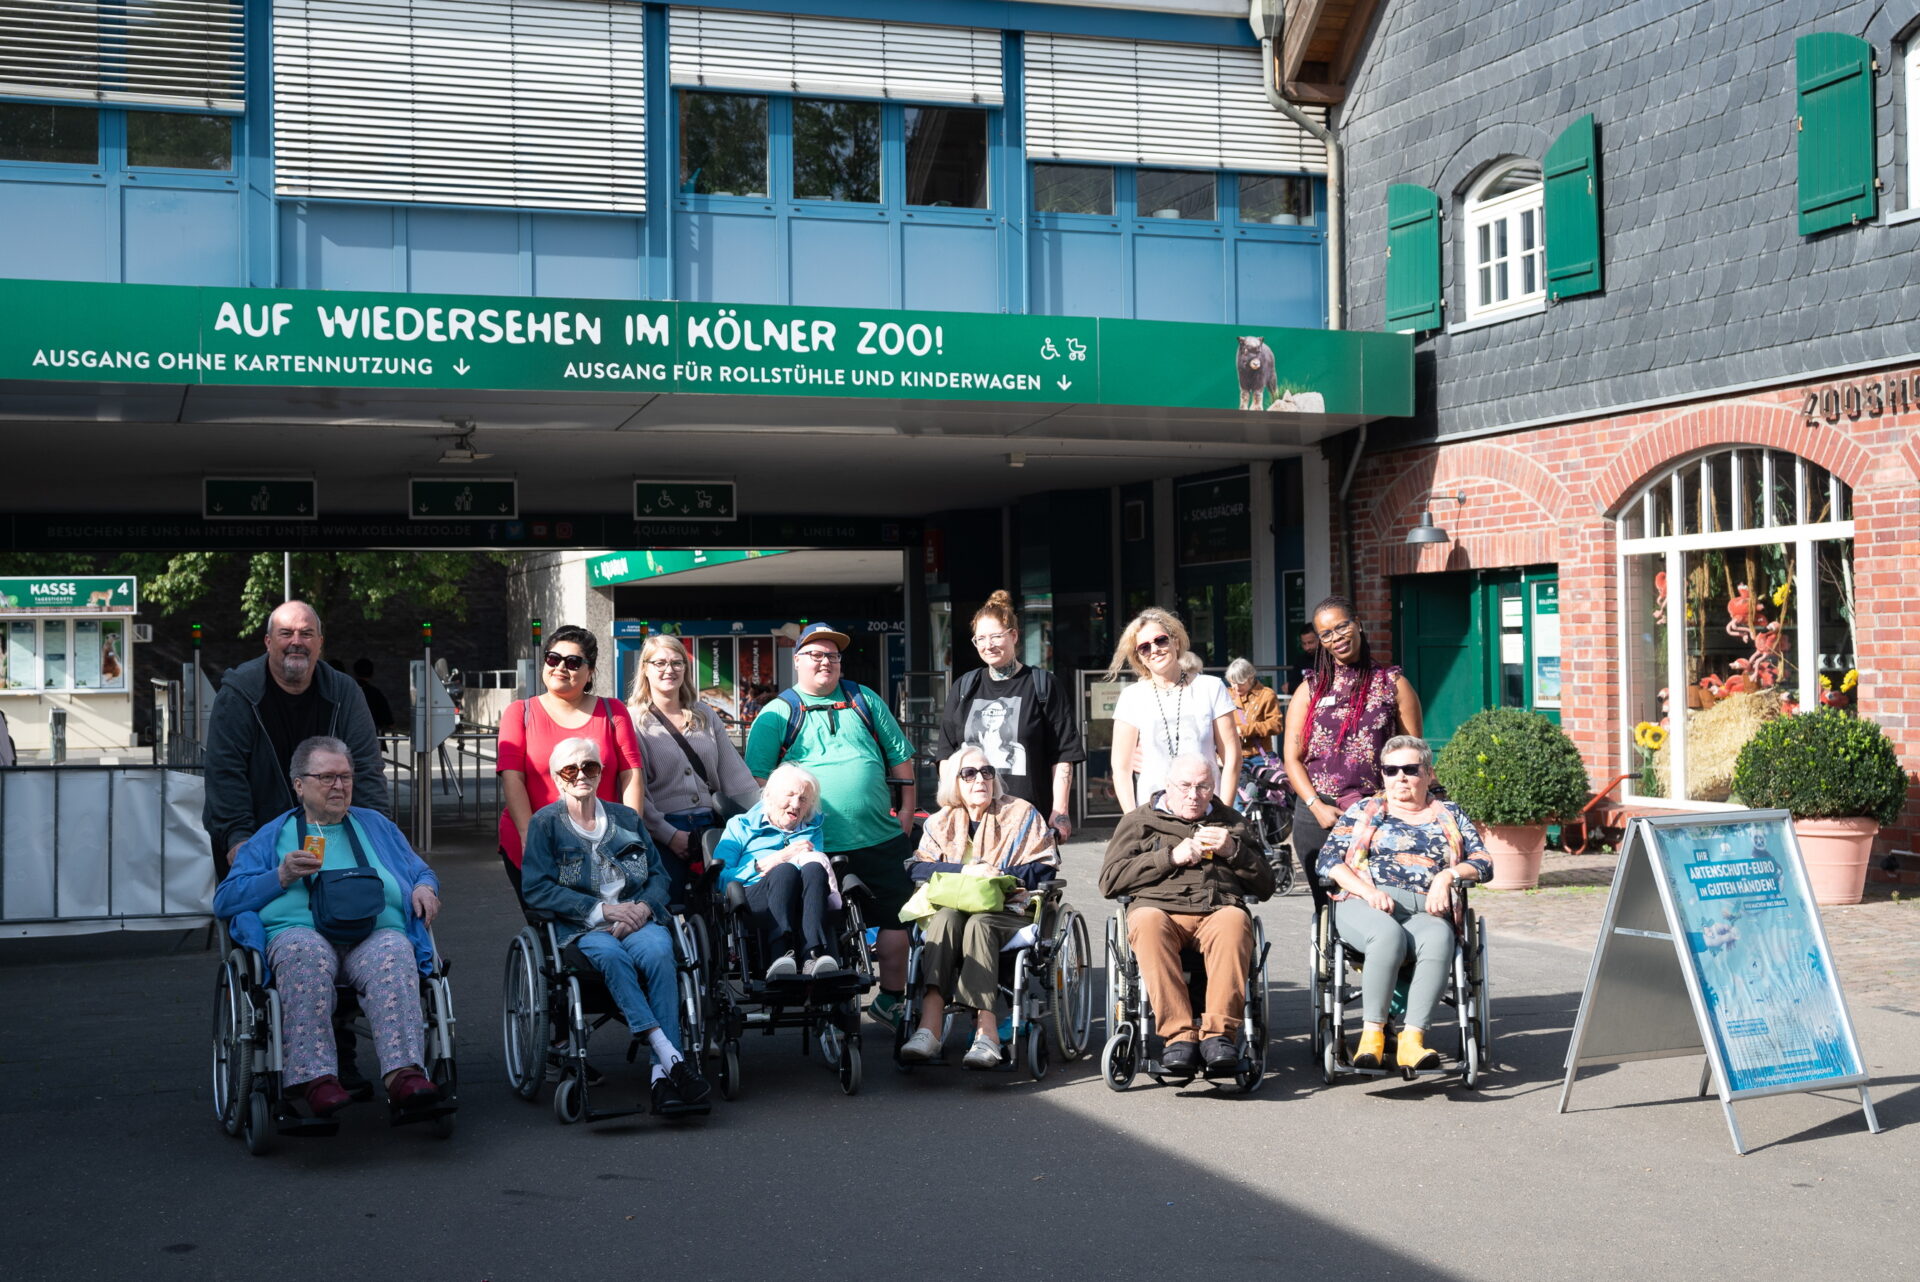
{"type": "Point", "coordinates": [101, 599]}
{"type": "Point", "coordinates": [1254, 364]}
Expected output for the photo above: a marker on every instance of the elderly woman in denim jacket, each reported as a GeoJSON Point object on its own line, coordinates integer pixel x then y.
{"type": "Point", "coordinates": [776, 853]}
{"type": "Point", "coordinates": [591, 867]}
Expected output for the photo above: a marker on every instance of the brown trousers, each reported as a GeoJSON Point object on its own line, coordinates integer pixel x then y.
{"type": "Point", "coordinates": [1225, 940]}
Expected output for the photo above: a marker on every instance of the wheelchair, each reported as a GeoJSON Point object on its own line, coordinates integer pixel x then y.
{"type": "Point", "coordinates": [250, 1098]}
{"type": "Point", "coordinates": [1331, 990]}
{"type": "Point", "coordinates": [1133, 1045]}
{"type": "Point", "coordinates": [739, 998]}
{"type": "Point", "coordinates": [1265, 798]}
{"type": "Point", "coordinates": [548, 988]}
{"type": "Point", "coordinates": [1046, 981]}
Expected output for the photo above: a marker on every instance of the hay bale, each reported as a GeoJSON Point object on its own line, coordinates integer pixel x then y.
{"type": "Point", "coordinates": [1715, 736]}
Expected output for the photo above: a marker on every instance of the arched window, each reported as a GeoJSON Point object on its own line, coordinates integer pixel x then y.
{"type": "Point", "coordinates": [1503, 266]}
{"type": "Point", "coordinates": [1737, 604]}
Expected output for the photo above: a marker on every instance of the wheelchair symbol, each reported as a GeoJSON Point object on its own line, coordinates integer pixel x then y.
{"type": "Point", "coordinates": [1048, 352]}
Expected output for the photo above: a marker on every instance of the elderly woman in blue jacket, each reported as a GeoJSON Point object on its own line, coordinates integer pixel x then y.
{"type": "Point", "coordinates": [590, 867]}
{"type": "Point", "coordinates": [775, 851]}
{"type": "Point", "coordinates": [266, 903]}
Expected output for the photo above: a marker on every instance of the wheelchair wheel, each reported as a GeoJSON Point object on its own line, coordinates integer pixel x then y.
{"type": "Point", "coordinates": [1329, 1055]}
{"type": "Point", "coordinates": [730, 1069]}
{"type": "Point", "coordinates": [232, 1045]}
{"type": "Point", "coordinates": [525, 1022]}
{"type": "Point", "coordinates": [1037, 1061]}
{"type": "Point", "coordinates": [568, 1105]}
{"type": "Point", "coordinates": [256, 1124]}
{"type": "Point", "coordinates": [1073, 988]}
{"type": "Point", "coordinates": [850, 1069]}
{"type": "Point", "coordinates": [1120, 1059]}
{"type": "Point", "coordinates": [1117, 998]}
{"type": "Point", "coordinates": [447, 1078]}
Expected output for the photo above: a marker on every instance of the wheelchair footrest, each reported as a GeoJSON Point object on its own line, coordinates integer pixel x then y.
{"type": "Point", "coordinates": [299, 1126]}
{"type": "Point", "coordinates": [408, 1116]}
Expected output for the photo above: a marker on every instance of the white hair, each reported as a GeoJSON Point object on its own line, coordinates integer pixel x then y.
{"type": "Point", "coordinates": [571, 752]}
{"type": "Point", "coordinates": [1190, 761]}
{"type": "Point", "coordinates": [1239, 672]}
{"type": "Point", "coordinates": [809, 784]}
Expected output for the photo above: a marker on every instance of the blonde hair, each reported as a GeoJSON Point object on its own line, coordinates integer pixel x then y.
{"type": "Point", "coordinates": [571, 752]}
{"type": "Point", "coordinates": [948, 795]}
{"type": "Point", "coordinates": [1124, 656]}
{"type": "Point", "coordinates": [999, 608]}
{"type": "Point", "coordinates": [642, 693]}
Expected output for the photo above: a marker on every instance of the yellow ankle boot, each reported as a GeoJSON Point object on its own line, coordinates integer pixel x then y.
{"type": "Point", "coordinates": [1372, 1048]}
{"type": "Point", "coordinates": [1412, 1050]}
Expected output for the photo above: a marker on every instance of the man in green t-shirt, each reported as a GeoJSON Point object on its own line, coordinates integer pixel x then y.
{"type": "Point", "coordinates": [853, 766]}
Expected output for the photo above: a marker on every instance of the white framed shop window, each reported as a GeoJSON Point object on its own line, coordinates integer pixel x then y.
{"type": "Point", "coordinates": [1737, 603]}
{"type": "Point", "coordinates": [1504, 246]}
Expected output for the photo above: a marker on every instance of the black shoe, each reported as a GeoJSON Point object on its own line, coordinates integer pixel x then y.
{"type": "Point", "coordinates": [667, 1101]}
{"type": "Point", "coordinates": [1180, 1059]}
{"type": "Point", "coordinates": [687, 1082]}
{"type": "Point", "coordinates": [1221, 1056]}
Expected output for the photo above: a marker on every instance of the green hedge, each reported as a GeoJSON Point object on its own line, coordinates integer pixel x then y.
{"type": "Point", "coordinates": [1504, 766]}
{"type": "Point", "coordinates": [1826, 764]}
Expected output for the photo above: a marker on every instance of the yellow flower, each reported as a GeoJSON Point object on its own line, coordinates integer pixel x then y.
{"type": "Point", "coordinates": [1657, 738]}
{"type": "Point", "coordinates": [1826, 682]}
{"type": "Point", "coordinates": [1780, 595]}
{"type": "Point", "coordinates": [1849, 681]}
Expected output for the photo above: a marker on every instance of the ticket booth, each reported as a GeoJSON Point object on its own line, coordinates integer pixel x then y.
{"type": "Point", "coordinates": [69, 646]}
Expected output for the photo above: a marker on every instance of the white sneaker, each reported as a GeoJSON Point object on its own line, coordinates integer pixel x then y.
{"type": "Point", "coordinates": [983, 1053]}
{"type": "Point", "coordinates": [921, 1047]}
{"type": "Point", "coordinates": [784, 967]}
{"type": "Point", "coordinates": [824, 964]}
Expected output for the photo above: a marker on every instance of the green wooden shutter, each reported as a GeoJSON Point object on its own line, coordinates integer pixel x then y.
{"type": "Point", "coordinates": [1570, 207]}
{"type": "Point", "coordinates": [1413, 258]}
{"type": "Point", "coordinates": [1833, 74]}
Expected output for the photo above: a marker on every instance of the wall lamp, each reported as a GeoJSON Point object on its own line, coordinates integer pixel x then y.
{"type": "Point", "coordinates": [1427, 531]}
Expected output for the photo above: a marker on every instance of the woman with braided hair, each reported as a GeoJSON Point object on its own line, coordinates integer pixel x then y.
{"type": "Point", "coordinates": [1337, 723]}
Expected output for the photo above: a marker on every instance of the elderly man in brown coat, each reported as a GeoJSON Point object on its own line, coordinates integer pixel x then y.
{"type": "Point", "coordinates": [1191, 865]}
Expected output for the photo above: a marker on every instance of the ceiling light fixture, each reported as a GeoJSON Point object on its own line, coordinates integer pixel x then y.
{"type": "Point", "coordinates": [462, 451]}
{"type": "Point", "coordinates": [1427, 531]}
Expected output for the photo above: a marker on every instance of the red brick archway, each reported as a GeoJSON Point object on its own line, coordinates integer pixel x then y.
{"type": "Point", "coordinates": [1756, 423]}
{"type": "Point", "coordinates": [1461, 464]}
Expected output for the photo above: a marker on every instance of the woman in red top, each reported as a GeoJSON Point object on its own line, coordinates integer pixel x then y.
{"type": "Point", "coordinates": [529, 729]}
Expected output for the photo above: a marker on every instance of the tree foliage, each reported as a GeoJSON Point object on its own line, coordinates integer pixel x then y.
{"type": "Point", "coordinates": [1827, 764]}
{"type": "Point", "coordinates": [1504, 766]}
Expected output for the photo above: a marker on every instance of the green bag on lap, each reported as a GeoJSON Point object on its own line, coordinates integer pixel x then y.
{"type": "Point", "coordinates": [970, 894]}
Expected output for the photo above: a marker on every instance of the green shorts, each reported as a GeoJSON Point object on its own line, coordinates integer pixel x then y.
{"type": "Point", "coordinates": [884, 870]}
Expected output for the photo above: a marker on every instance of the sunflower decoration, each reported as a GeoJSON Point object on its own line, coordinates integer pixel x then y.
{"type": "Point", "coordinates": [1848, 682]}
{"type": "Point", "coordinates": [1780, 595]}
{"type": "Point", "coordinates": [1650, 736]}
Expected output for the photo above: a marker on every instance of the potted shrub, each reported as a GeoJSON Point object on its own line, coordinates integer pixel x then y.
{"type": "Point", "coordinates": [1513, 772]}
{"type": "Point", "coordinates": [1840, 778]}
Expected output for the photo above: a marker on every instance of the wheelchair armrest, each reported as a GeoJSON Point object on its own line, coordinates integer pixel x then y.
{"type": "Point", "coordinates": [709, 845]}
{"type": "Point", "coordinates": [1123, 900]}
{"type": "Point", "coordinates": [736, 897]}
{"type": "Point", "coordinates": [850, 885]}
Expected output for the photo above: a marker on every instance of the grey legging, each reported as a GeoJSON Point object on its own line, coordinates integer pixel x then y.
{"type": "Point", "coordinates": [1385, 940]}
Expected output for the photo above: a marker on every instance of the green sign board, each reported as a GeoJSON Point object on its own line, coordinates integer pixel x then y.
{"type": "Point", "coordinates": [474, 498]}
{"type": "Point", "coordinates": [1214, 521]}
{"type": "Point", "coordinates": [56, 595]}
{"type": "Point", "coordinates": [77, 331]}
{"type": "Point", "coordinates": [683, 500]}
{"type": "Point", "coordinates": [259, 498]}
{"type": "Point", "coordinates": [652, 563]}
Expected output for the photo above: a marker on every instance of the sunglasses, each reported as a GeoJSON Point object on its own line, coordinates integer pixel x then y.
{"type": "Point", "coordinates": [969, 773]}
{"type": "Point", "coordinates": [571, 662]}
{"type": "Point", "coordinates": [1160, 642]}
{"type": "Point", "coordinates": [584, 770]}
{"type": "Point", "coordinates": [1390, 771]}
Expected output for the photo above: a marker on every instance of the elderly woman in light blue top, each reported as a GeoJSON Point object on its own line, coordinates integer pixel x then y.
{"type": "Point", "coordinates": [266, 904]}
{"type": "Point", "coordinates": [775, 851]}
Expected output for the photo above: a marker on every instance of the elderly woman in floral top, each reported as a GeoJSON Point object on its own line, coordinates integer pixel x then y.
{"type": "Point", "coordinates": [1395, 859]}
{"type": "Point", "coordinates": [1337, 723]}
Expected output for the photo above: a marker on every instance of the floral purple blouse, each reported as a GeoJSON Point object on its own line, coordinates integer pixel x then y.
{"type": "Point", "coordinates": [1348, 768]}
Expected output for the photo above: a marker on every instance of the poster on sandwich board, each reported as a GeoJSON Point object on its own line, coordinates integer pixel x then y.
{"type": "Point", "coordinates": [1712, 943]}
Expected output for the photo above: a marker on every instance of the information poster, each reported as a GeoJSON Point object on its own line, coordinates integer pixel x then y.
{"type": "Point", "coordinates": [1546, 645]}
{"type": "Point", "coordinates": [1753, 939]}
{"type": "Point", "coordinates": [113, 649]}
{"type": "Point", "coordinates": [86, 654]}
{"type": "Point", "coordinates": [714, 660]}
{"type": "Point", "coordinates": [21, 657]}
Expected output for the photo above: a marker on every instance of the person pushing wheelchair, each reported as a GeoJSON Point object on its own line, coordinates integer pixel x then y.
{"type": "Point", "coordinates": [1191, 865]}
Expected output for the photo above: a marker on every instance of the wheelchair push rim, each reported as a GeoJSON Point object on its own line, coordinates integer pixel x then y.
{"type": "Point", "coordinates": [525, 1021]}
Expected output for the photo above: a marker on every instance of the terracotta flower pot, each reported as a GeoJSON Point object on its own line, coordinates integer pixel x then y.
{"type": "Point", "coordinates": [1516, 850]}
{"type": "Point", "coordinates": [1836, 852]}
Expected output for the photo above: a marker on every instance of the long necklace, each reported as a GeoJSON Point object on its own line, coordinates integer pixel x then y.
{"type": "Point", "coordinates": [1173, 732]}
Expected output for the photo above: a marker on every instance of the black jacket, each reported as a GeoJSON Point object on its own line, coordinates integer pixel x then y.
{"type": "Point", "coordinates": [1140, 863]}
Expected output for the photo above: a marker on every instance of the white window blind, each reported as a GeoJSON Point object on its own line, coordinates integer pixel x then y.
{"type": "Point", "coordinates": [534, 104]}
{"type": "Point", "coordinates": [1133, 102]}
{"type": "Point", "coordinates": [720, 49]}
{"type": "Point", "coordinates": [159, 53]}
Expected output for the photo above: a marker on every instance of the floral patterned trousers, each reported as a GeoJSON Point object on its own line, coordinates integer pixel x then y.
{"type": "Point", "coordinates": [381, 968]}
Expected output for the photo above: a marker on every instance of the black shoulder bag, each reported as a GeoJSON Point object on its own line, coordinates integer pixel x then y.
{"type": "Point", "coordinates": [724, 806]}
{"type": "Point", "coordinates": [346, 902]}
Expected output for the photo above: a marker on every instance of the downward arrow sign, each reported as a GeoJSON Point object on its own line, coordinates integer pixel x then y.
{"type": "Point", "coordinates": [461, 367]}
{"type": "Point", "coordinates": [1064, 384]}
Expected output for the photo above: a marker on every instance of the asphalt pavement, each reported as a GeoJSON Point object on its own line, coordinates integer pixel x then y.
{"type": "Point", "coordinates": [115, 1169]}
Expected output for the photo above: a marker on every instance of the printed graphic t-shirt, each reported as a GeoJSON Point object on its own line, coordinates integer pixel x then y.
{"type": "Point", "coordinates": [1022, 738]}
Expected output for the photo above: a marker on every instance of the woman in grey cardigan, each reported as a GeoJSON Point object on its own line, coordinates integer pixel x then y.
{"type": "Point", "coordinates": [691, 762]}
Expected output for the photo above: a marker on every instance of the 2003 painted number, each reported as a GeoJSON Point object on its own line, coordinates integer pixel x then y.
{"type": "Point", "coordinates": [1874, 399]}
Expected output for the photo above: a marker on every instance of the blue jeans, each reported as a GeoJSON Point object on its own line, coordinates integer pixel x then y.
{"type": "Point", "coordinates": [690, 821]}
{"type": "Point", "coordinates": [634, 967]}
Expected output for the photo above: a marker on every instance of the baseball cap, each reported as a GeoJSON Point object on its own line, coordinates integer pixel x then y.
{"type": "Point", "coordinates": [822, 632]}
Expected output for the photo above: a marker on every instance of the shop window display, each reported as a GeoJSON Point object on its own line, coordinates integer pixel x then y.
{"type": "Point", "coordinates": [1738, 607]}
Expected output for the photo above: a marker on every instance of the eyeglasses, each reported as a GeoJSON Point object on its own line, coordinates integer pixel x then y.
{"type": "Point", "coordinates": [1161, 642]}
{"type": "Point", "coordinates": [969, 773]}
{"type": "Point", "coordinates": [1391, 771]}
{"type": "Point", "coordinates": [821, 657]}
{"type": "Point", "coordinates": [329, 781]}
{"type": "Point", "coordinates": [584, 770]}
{"type": "Point", "coordinates": [988, 638]}
{"type": "Point", "coordinates": [1337, 631]}
{"type": "Point", "coordinates": [1202, 788]}
{"type": "Point", "coordinates": [666, 665]}
{"type": "Point", "coordinates": [571, 662]}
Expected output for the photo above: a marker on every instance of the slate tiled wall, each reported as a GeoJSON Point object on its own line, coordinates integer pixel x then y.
{"type": "Point", "coordinates": [1708, 283]}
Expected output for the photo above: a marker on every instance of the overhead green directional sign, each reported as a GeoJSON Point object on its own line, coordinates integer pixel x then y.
{"type": "Point", "coordinates": [681, 500]}
{"type": "Point", "coordinates": [631, 567]}
{"type": "Point", "coordinates": [78, 331]}
{"type": "Point", "coordinates": [259, 498]}
{"type": "Point", "coordinates": [473, 498]}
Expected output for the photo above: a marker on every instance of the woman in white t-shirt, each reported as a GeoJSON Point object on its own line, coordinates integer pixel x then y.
{"type": "Point", "coordinates": [1173, 709]}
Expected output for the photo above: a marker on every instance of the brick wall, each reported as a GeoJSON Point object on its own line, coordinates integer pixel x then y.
{"type": "Point", "coordinates": [1548, 496]}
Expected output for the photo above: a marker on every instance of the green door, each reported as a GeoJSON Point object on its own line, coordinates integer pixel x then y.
{"type": "Point", "coordinates": [1479, 639]}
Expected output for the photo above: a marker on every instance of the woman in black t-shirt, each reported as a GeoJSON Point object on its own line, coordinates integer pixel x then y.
{"type": "Point", "coordinates": [1020, 717]}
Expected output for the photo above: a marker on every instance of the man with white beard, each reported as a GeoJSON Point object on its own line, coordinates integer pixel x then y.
{"type": "Point", "coordinates": [266, 708]}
